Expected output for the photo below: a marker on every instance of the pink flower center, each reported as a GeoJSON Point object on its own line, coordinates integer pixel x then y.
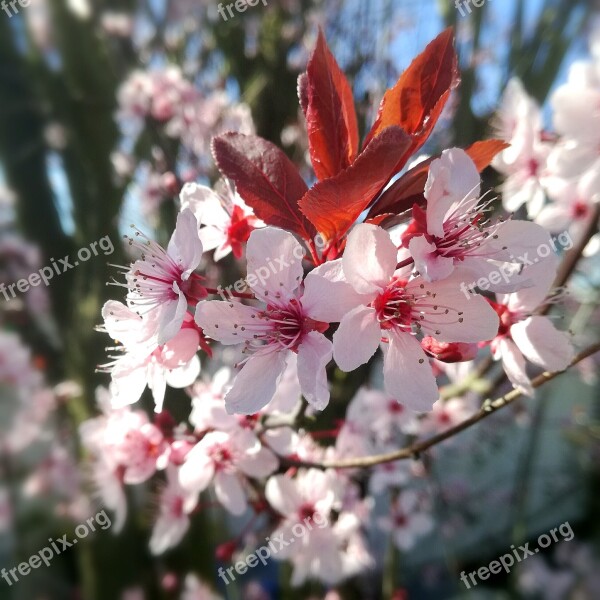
{"type": "Point", "coordinates": [399, 309]}
{"type": "Point", "coordinates": [306, 511]}
{"type": "Point", "coordinates": [281, 327]}
{"type": "Point", "coordinates": [580, 210]}
{"type": "Point", "coordinates": [395, 407]}
{"type": "Point", "coordinates": [221, 456]}
{"type": "Point", "coordinates": [394, 306]}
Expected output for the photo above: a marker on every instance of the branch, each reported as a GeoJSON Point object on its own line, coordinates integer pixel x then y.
{"type": "Point", "coordinates": [489, 407]}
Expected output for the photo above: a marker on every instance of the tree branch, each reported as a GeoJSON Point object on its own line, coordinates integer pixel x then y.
{"type": "Point", "coordinates": [489, 407]}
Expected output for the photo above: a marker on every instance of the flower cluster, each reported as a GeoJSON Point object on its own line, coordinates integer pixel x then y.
{"type": "Point", "coordinates": [365, 267]}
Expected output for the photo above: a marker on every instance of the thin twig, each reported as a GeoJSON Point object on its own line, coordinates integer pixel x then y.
{"type": "Point", "coordinates": [413, 451]}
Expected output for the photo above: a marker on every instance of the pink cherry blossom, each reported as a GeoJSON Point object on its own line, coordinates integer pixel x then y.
{"type": "Point", "coordinates": [408, 521]}
{"type": "Point", "coordinates": [226, 460]}
{"type": "Point", "coordinates": [523, 335]}
{"type": "Point", "coordinates": [572, 204]}
{"type": "Point", "coordinates": [454, 231]}
{"type": "Point", "coordinates": [519, 122]}
{"type": "Point", "coordinates": [143, 361]}
{"type": "Point", "coordinates": [270, 335]}
{"type": "Point", "coordinates": [377, 303]}
{"type": "Point", "coordinates": [329, 550]}
{"type": "Point", "coordinates": [161, 281]}
{"type": "Point", "coordinates": [173, 521]}
{"type": "Point", "coordinates": [127, 442]}
{"type": "Point", "coordinates": [226, 222]}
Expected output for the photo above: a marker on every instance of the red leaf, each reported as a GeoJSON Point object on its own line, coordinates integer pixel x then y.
{"type": "Point", "coordinates": [407, 190]}
{"type": "Point", "coordinates": [330, 114]}
{"type": "Point", "coordinates": [482, 153]}
{"type": "Point", "coordinates": [418, 98]}
{"type": "Point", "coordinates": [265, 178]}
{"type": "Point", "coordinates": [334, 204]}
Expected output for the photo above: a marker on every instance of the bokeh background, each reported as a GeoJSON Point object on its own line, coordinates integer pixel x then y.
{"type": "Point", "coordinates": [81, 158]}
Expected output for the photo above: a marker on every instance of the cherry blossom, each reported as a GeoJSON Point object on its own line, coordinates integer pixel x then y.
{"type": "Point", "coordinates": [524, 163]}
{"type": "Point", "coordinates": [523, 335]}
{"type": "Point", "coordinates": [225, 459]}
{"type": "Point", "coordinates": [226, 222]}
{"type": "Point", "coordinates": [161, 281]}
{"type": "Point", "coordinates": [144, 362]}
{"type": "Point", "coordinates": [408, 521]}
{"type": "Point", "coordinates": [327, 551]}
{"type": "Point", "coordinates": [453, 231]}
{"type": "Point", "coordinates": [272, 334]}
{"type": "Point", "coordinates": [374, 300]}
{"type": "Point", "coordinates": [173, 521]}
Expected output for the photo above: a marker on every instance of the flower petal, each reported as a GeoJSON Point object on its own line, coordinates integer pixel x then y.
{"type": "Point", "coordinates": [452, 187]}
{"type": "Point", "coordinates": [223, 321]}
{"type": "Point", "coordinates": [469, 317]}
{"type": "Point", "coordinates": [515, 366]}
{"type": "Point", "coordinates": [230, 493]}
{"type": "Point", "coordinates": [427, 262]}
{"type": "Point", "coordinates": [274, 262]}
{"type": "Point", "coordinates": [255, 385]}
{"type": "Point", "coordinates": [356, 339]}
{"type": "Point", "coordinates": [328, 296]}
{"type": "Point", "coordinates": [370, 258]}
{"type": "Point", "coordinates": [407, 373]}
{"type": "Point", "coordinates": [185, 247]}
{"type": "Point", "coordinates": [282, 494]}
{"type": "Point", "coordinates": [543, 344]}
{"type": "Point", "coordinates": [314, 353]}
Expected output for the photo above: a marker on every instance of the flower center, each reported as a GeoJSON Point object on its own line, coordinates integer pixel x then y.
{"type": "Point", "coordinates": [306, 511]}
{"type": "Point", "coordinates": [394, 306]}
{"type": "Point", "coordinates": [282, 327]}
{"type": "Point", "coordinates": [221, 456]}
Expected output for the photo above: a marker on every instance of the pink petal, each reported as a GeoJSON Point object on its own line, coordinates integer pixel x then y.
{"type": "Point", "coordinates": [427, 262]}
{"type": "Point", "coordinates": [452, 188]}
{"type": "Point", "coordinates": [328, 296]}
{"type": "Point", "coordinates": [274, 262]}
{"type": "Point", "coordinates": [258, 465]}
{"type": "Point", "coordinates": [356, 339]}
{"type": "Point", "coordinates": [255, 385]}
{"type": "Point", "coordinates": [185, 246]}
{"type": "Point", "coordinates": [129, 381]}
{"type": "Point", "coordinates": [543, 344]}
{"type": "Point", "coordinates": [122, 323]}
{"type": "Point", "coordinates": [282, 494]}
{"type": "Point", "coordinates": [181, 349]}
{"type": "Point", "coordinates": [477, 323]}
{"type": "Point", "coordinates": [205, 204]}
{"type": "Point", "coordinates": [515, 366]}
{"type": "Point", "coordinates": [171, 317]}
{"type": "Point", "coordinates": [185, 375]}
{"type": "Point", "coordinates": [230, 493]}
{"type": "Point", "coordinates": [370, 259]}
{"type": "Point", "coordinates": [407, 373]}
{"type": "Point", "coordinates": [223, 321]}
{"type": "Point", "coordinates": [314, 353]}
{"type": "Point", "coordinates": [197, 471]}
